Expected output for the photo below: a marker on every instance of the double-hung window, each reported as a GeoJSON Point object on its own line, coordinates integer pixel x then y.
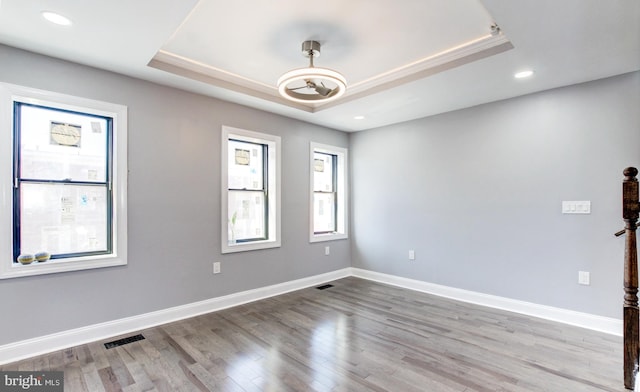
{"type": "Point", "coordinates": [67, 189]}
{"type": "Point", "coordinates": [250, 190]}
{"type": "Point", "coordinates": [328, 174]}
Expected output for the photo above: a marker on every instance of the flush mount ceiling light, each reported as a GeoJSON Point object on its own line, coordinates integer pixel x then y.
{"type": "Point", "coordinates": [56, 18]}
{"type": "Point", "coordinates": [312, 85]}
{"type": "Point", "coordinates": [523, 74]}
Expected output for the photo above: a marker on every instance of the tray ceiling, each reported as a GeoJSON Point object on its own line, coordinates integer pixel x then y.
{"type": "Point", "coordinates": [375, 49]}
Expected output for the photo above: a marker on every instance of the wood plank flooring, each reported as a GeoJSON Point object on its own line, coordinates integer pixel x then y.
{"type": "Point", "coordinates": [355, 336]}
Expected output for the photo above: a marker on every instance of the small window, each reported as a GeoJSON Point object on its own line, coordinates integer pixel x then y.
{"type": "Point", "coordinates": [250, 190]}
{"type": "Point", "coordinates": [68, 188]}
{"type": "Point", "coordinates": [328, 192]}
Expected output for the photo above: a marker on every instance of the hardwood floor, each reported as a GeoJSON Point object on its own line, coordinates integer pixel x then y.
{"type": "Point", "coordinates": [355, 336]}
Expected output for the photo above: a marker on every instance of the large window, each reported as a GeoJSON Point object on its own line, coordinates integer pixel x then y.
{"type": "Point", "coordinates": [250, 190]}
{"type": "Point", "coordinates": [66, 186]}
{"type": "Point", "coordinates": [328, 174]}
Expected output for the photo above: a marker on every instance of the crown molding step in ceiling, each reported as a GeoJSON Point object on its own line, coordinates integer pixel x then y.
{"type": "Point", "coordinates": [407, 49]}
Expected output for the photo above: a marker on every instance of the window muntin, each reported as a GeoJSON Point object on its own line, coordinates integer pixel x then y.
{"type": "Point", "coordinates": [77, 183]}
{"type": "Point", "coordinates": [250, 190]}
{"type": "Point", "coordinates": [328, 189]}
{"type": "Point", "coordinates": [62, 201]}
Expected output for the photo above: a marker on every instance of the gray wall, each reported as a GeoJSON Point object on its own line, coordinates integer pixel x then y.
{"type": "Point", "coordinates": [477, 194]}
{"type": "Point", "coordinates": [173, 203]}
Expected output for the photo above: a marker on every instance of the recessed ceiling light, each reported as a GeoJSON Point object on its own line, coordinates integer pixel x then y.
{"type": "Point", "coordinates": [523, 74]}
{"type": "Point", "coordinates": [56, 18]}
{"type": "Point", "coordinates": [358, 118]}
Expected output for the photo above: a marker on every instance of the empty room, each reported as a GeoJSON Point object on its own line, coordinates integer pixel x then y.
{"type": "Point", "coordinates": [418, 195]}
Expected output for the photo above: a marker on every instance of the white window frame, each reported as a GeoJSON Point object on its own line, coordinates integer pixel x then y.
{"type": "Point", "coordinates": [273, 189]}
{"type": "Point", "coordinates": [342, 199]}
{"type": "Point", "coordinates": [8, 95]}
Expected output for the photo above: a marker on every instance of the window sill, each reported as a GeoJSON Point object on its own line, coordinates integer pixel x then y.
{"type": "Point", "coordinates": [248, 246]}
{"type": "Point", "coordinates": [327, 237]}
{"type": "Point", "coordinates": [16, 270]}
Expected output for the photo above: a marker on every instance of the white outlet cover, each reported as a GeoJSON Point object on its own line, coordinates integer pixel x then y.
{"type": "Point", "coordinates": [584, 278]}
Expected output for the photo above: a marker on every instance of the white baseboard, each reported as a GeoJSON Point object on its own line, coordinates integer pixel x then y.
{"type": "Point", "coordinates": [45, 344]}
{"type": "Point", "coordinates": [585, 320]}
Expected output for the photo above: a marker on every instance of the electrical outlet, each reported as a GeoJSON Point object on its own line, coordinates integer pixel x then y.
{"type": "Point", "coordinates": [412, 255]}
{"type": "Point", "coordinates": [216, 267]}
{"type": "Point", "coordinates": [327, 251]}
{"type": "Point", "coordinates": [584, 278]}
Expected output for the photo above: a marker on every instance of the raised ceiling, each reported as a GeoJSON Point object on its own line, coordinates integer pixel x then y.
{"type": "Point", "coordinates": [248, 50]}
{"type": "Point", "coordinates": [402, 59]}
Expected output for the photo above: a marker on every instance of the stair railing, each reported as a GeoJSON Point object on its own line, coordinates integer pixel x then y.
{"type": "Point", "coordinates": [631, 321]}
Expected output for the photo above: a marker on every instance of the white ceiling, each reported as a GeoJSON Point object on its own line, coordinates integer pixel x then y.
{"type": "Point", "coordinates": [403, 59]}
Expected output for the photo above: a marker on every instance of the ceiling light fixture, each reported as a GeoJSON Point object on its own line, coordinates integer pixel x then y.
{"type": "Point", "coordinates": [358, 118]}
{"type": "Point", "coordinates": [311, 84]}
{"type": "Point", "coordinates": [56, 18]}
{"type": "Point", "coordinates": [523, 74]}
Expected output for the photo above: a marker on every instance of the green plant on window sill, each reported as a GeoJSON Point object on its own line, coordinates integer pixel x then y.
{"type": "Point", "coordinates": [234, 217]}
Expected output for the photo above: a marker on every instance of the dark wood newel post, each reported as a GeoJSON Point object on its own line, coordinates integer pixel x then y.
{"type": "Point", "coordinates": [630, 209]}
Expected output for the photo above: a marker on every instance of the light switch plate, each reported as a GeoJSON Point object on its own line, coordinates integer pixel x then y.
{"type": "Point", "coordinates": [584, 278]}
{"type": "Point", "coordinates": [576, 207]}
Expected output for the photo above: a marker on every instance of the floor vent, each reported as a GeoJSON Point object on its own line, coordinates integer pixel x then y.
{"type": "Point", "coordinates": [123, 341]}
{"type": "Point", "coordinates": [324, 287]}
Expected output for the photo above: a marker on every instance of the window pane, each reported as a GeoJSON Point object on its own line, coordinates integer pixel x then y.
{"type": "Point", "coordinates": [245, 165]}
{"type": "Point", "coordinates": [246, 216]}
{"type": "Point", "coordinates": [62, 219]}
{"type": "Point", "coordinates": [323, 172]}
{"type": "Point", "coordinates": [59, 145]}
{"type": "Point", "coordinates": [324, 212]}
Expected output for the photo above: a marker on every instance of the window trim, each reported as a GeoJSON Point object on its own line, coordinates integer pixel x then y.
{"type": "Point", "coordinates": [342, 192]}
{"type": "Point", "coordinates": [273, 189]}
{"type": "Point", "coordinates": [8, 95]}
